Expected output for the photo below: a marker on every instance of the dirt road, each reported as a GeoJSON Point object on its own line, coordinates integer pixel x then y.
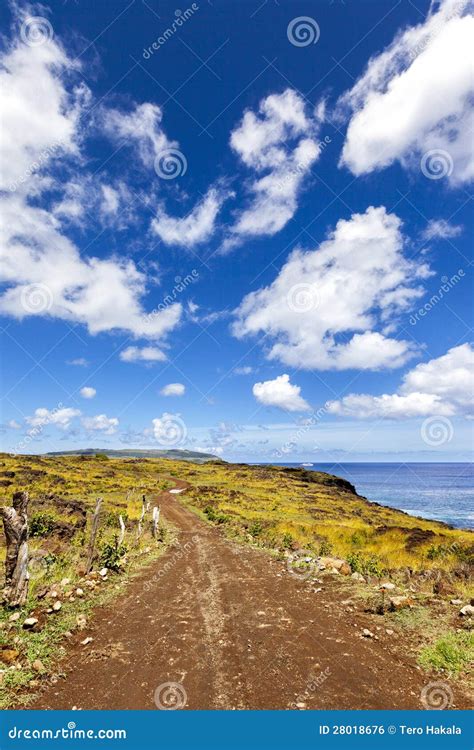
{"type": "Point", "coordinates": [232, 629]}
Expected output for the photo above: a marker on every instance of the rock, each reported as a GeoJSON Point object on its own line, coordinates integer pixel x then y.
{"type": "Point", "coordinates": [38, 666]}
{"type": "Point", "coordinates": [81, 621]}
{"type": "Point", "coordinates": [79, 592]}
{"type": "Point", "coordinates": [16, 616]}
{"type": "Point", "coordinates": [30, 622]}
{"type": "Point", "coordinates": [467, 611]}
{"type": "Point", "coordinates": [8, 655]}
{"type": "Point", "coordinates": [57, 606]}
{"type": "Point", "coordinates": [345, 569]}
{"type": "Point", "coordinates": [334, 571]}
{"type": "Point", "coordinates": [400, 602]}
{"type": "Point", "coordinates": [53, 594]}
{"type": "Point", "coordinates": [358, 577]}
{"type": "Point", "coordinates": [456, 602]}
{"type": "Point", "coordinates": [86, 641]}
{"type": "Point", "coordinates": [367, 634]}
{"type": "Point", "coordinates": [389, 631]}
{"type": "Point", "coordinates": [103, 572]}
{"type": "Point", "coordinates": [300, 705]}
{"type": "Point", "coordinates": [90, 584]}
{"type": "Point", "coordinates": [65, 582]}
{"type": "Point", "coordinates": [68, 634]}
{"type": "Point", "coordinates": [332, 562]}
{"type": "Point", "coordinates": [388, 586]}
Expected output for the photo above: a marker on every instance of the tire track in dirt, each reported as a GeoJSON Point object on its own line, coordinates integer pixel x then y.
{"type": "Point", "coordinates": [235, 630]}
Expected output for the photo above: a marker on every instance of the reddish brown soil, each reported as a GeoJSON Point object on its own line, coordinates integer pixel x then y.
{"type": "Point", "coordinates": [237, 631]}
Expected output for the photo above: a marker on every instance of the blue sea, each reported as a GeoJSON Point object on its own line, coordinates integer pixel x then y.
{"type": "Point", "coordinates": [440, 492]}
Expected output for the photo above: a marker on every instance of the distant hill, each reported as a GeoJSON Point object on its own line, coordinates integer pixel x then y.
{"type": "Point", "coordinates": [181, 455]}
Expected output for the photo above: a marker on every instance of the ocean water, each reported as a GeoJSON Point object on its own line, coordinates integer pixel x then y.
{"type": "Point", "coordinates": [440, 492]}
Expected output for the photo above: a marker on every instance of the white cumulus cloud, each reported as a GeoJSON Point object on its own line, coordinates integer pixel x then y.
{"type": "Point", "coordinates": [280, 393]}
{"type": "Point", "coordinates": [416, 97]}
{"type": "Point", "coordinates": [88, 392]}
{"type": "Point", "coordinates": [442, 386]}
{"type": "Point", "coordinates": [101, 423]}
{"type": "Point", "coordinates": [143, 354]}
{"type": "Point", "coordinates": [198, 226]}
{"type": "Point", "coordinates": [173, 389]}
{"type": "Point", "coordinates": [322, 309]}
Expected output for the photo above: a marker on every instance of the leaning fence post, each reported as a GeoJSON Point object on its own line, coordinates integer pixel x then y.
{"type": "Point", "coordinates": [15, 522]}
{"type": "Point", "coordinates": [95, 526]}
{"type": "Point", "coordinates": [122, 531]}
{"type": "Point", "coordinates": [142, 516]}
{"type": "Point", "coordinates": [156, 518]}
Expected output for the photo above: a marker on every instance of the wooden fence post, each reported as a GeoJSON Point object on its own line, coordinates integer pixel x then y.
{"type": "Point", "coordinates": [95, 526]}
{"type": "Point", "coordinates": [142, 516]}
{"type": "Point", "coordinates": [122, 531]}
{"type": "Point", "coordinates": [15, 522]}
{"type": "Point", "coordinates": [156, 518]}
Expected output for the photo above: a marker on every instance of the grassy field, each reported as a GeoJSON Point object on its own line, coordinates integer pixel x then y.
{"type": "Point", "coordinates": [275, 508]}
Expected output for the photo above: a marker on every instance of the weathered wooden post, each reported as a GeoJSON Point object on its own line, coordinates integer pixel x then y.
{"type": "Point", "coordinates": [122, 531]}
{"type": "Point", "coordinates": [95, 526]}
{"type": "Point", "coordinates": [156, 518]}
{"type": "Point", "coordinates": [15, 522]}
{"type": "Point", "coordinates": [142, 516]}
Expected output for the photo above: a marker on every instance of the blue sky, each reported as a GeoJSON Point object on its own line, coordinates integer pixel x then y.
{"type": "Point", "coordinates": [238, 227]}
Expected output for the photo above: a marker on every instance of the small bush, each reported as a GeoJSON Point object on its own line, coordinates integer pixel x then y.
{"type": "Point", "coordinates": [287, 541]}
{"type": "Point", "coordinates": [256, 528]}
{"type": "Point", "coordinates": [325, 548]}
{"type": "Point", "coordinates": [365, 565]}
{"type": "Point", "coordinates": [450, 654]}
{"type": "Point", "coordinates": [42, 524]}
{"type": "Point", "coordinates": [112, 554]}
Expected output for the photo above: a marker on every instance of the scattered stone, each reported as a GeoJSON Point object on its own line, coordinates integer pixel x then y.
{"type": "Point", "coordinates": [367, 633]}
{"type": "Point", "coordinates": [16, 616]}
{"type": "Point", "coordinates": [86, 641]}
{"type": "Point", "coordinates": [443, 588]}
{"type": "Point", "coordinates": [467, 611]}
{"type": "Point", "coordinates": [456, 602]}
{"type": "Point", "coordinates": [332, 562]}
{"type": "Point", "coordinates": [389, 631]}
{"type": "Point", "coordinates": [30, 622]}
{"type": "Point", "coordinates": [57, 606]}
{"type": "Point", "coordinates": [103, 572]}
{"type": "Point", "coordinates": [81, 621]}
{"type": "Point", "coordinates": [91, 584]}
{"type": "Point", "coordinates": [53, 594]}
{"type": "Point", "coordinates": [68, 634]}
{"type": "Point", "coordinates": [8, 655]}
{"type": "Point", "coordinates": [65, 582]}
{"type": "Point", "coordinates": [388, 586]}
{"type": "Point", "coordinates": [38, 666]}
{"type": "Point", "coordinates": [300, 705]}
{"type": "Point", "coordinates": [79, 592]}
{"type": "Point", "coordinates": [358, 577]}
{"type": "Point", "coordinates": [345, 569]}
{"type": "Point", "coordinates": [334, 571]}
{"type": "Point", "coordinates": [400, 602]}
